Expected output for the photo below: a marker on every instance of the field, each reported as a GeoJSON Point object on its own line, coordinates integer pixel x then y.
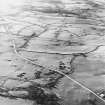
{"type": "Point", "coordinates": [53, 53]}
